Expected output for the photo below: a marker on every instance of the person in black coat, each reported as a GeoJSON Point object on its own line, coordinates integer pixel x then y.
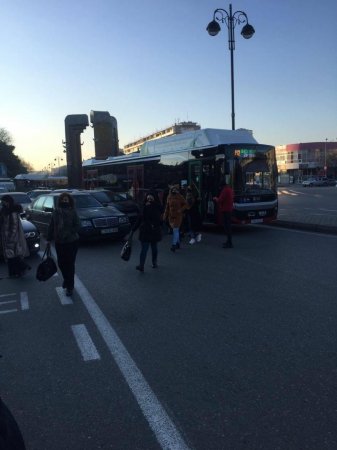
{"type": "Point", "coordinates": [10, 434]}
{"type": "Point", "coordinates": [149, 224]}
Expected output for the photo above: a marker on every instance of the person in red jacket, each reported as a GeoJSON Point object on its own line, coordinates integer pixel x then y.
{"type": "Point", "coordinates": [225, 205]}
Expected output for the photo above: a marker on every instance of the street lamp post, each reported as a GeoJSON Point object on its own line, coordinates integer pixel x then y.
{"type": "Point", "coordinates": [58, 159]}
{"type": "Point", "coordinates": [325, 166]}
{"type": "Point", "coordinates": [231, 20]}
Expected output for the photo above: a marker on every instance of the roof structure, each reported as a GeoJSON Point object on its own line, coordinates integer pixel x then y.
{"type": "Point", "coordinates": [192, 140]}
{"type": "Point", "coordinates": [208, 137]}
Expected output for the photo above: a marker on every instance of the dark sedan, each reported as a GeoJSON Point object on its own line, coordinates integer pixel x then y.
{"type": "Point", "coordinates": [122, 201]}
{"type": "Point", "coordinates": [97, 221]}
{"type": "Point", "coordinates": [32, 236]}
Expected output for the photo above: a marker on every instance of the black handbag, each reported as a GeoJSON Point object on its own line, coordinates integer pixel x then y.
{"type": "Point", "coordinates": [47, 267]}
{"type": "Point", "coordinates": [127, 249]}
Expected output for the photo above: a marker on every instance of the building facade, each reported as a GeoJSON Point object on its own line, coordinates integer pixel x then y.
{"type": "Point", "coordinates": [177, 128]}
{"type": "Point", "coordinates": [311, 159]}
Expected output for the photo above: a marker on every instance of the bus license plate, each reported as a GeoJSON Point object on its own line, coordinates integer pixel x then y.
{"type": "Point", "coordinates": [109, 230]}
{"type": "Point", "coordinates": [256, 220]}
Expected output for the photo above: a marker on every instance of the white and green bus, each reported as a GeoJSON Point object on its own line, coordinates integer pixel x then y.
{"type": "Point", "coordinates": [201, 158]}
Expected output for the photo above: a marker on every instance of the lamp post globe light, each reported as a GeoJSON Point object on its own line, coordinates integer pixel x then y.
{"type": "Point", "coordinates": [231, 20]}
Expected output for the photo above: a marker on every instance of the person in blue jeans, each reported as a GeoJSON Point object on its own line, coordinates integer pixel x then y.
{"type": "Point", "coordinates": [149, 224]}
{"type": "Point", "coordinates": [174, 213]}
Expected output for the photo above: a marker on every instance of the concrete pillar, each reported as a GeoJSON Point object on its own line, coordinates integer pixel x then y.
{"type": "Point", "coordinates": [105, 134]}
{"type": "Point", "coordinates": [74, 125]}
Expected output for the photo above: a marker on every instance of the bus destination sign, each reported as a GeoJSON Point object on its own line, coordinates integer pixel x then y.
{"type": "Point", "coordinates": [245, 153]}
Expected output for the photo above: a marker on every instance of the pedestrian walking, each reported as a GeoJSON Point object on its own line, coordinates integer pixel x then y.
{"type": "Point", "coordinates": [193, 215]}
{"type": "Point", "coordinates": [225, 205]}
{"type": "Point", "coordinates": [149, 224]}
{"type": "Point", "coordinates": [13, 239]}
{"type": "Point", "coordinates": [174, 212]}
{"type": "Point", "coordinates": [63, 229]}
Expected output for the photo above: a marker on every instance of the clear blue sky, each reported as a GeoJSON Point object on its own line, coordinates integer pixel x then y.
{"type": "Point", "coordinates": [151, 63]}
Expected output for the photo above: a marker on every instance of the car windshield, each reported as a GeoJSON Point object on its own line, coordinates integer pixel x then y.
{"type": "Point", "coordinates": [117, 197]}
{"type": "Point", "coordinates": [34, 194]}
{"type": "Point", "coordinates": [20, 198]}
{"type": "Point", "coordinates": [86, 201]}
{"type": "Point", "coordinates": [101, 197]}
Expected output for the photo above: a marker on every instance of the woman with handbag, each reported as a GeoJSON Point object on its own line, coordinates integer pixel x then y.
{"type": "Point", "coordinates": [63, 228]}
{"type": "Point", "coordinates": [13, 240]}
{"type": "Point", "coordinates": [149, 224]}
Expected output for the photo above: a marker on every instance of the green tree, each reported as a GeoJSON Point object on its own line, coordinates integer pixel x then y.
{"type": "Point", "coordinates": [7, 157]}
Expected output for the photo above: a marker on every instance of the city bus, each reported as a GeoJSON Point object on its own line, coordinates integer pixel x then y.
{"type": "Point", "coordinates": [202, 159]}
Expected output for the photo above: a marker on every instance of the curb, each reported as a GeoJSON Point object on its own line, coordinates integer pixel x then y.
{"type": "Point", "coordinates": [317, 228]}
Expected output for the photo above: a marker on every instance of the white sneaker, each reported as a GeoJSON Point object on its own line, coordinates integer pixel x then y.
{"type": "Point", "coordinates": [192, 241]}
{"type": "Point", "coordinates": [198, 237]}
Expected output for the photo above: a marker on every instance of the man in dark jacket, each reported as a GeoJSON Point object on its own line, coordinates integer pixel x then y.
{"type": "Point", "coordinates": [225, 205]}
{"type": "Point", "coordinates": [149, 225]}
{"type": "Point", "coordinates": [63, 228]}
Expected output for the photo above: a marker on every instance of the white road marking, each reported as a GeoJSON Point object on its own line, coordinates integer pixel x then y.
{"type": "Point", "coordinates": [168, 436]}
{"type": "Point", "coordinates": [24, 301]}
{"type": "Point", "coordinates": [6, 311]}
{"type": "Point", "coordinates": [7, 295]}
{"type": "Point", "coordinates": [85, 343]}
{"type": "Point", "coordinates": [288, 193]}
{"type": "Point", "coordinates": [62, 296]}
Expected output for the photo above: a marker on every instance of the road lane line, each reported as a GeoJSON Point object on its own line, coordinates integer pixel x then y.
{"type": "Point", "coordinates": [85, 343]}
{"type": "Point", "coordinates": [7, 295]}
{"type": "Point", "coordinates": [62, 296]}
{"type": "Point", "coordinates": [6, 311]}
{"type": "Point", "coordinates": [24, 301]}
{"type": "Point", "coordinates": [8, 301]}
{"type": "Point", "coordinates": [167, 434]}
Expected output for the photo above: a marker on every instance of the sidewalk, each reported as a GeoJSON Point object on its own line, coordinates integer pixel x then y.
{"type": "Point", "coordinates": [301, 221]}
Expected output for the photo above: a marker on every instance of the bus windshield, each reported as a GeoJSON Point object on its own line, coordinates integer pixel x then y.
{"type": "Point", "coordinates": [253, 175]}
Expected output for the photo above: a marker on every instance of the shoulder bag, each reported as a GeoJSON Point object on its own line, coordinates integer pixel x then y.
{"type": "Point", "coordinates": [127, 248]}
{"type": "Point", "coordinates": [47, 266]}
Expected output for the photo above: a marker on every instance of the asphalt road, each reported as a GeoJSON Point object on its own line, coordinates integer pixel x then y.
{"type": "Point", "coordinates": [217, 349]}
{"type": "Point", "coordinates": [318, 202]}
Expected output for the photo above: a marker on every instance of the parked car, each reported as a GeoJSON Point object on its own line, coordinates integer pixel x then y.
{"type": "Point", "coordinates": [320, 181]}
{"type": "Point", "coordinates": [36, 192]}
{"type": "Point", "coordinates": [122, 201]}
{"type": "Point", "coordinates": [32, 236]}
{"type": "Point", "coordinates": [97, 221]}
{"type": "Point", "coordinates": [21, 198]}
{"type": "Point", "coordinates": [329, 181]}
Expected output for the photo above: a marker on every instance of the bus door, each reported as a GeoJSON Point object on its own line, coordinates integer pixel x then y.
{"type": "Point", "coordinates": [195, 180]}
{"type": "Point", "coordinates": [194, 175]}
{"type": "Point", "coordinates": [135, 175]}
